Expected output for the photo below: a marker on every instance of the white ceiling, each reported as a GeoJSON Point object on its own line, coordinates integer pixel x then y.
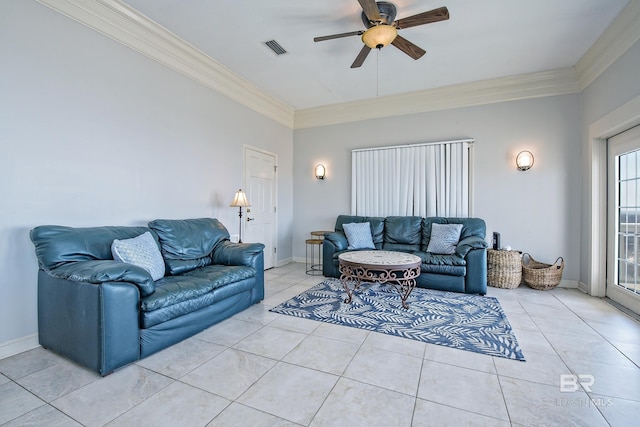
{"type": "Point", "coordinates": [482, 40]}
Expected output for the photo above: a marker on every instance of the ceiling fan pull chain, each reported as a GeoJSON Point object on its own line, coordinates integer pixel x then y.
{"type": "Point", "coordinates": [377, 73]}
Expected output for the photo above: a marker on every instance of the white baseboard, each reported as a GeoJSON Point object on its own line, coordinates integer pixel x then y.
{"type": "Point", "coordinates": [573, 284]}
{"type": "Point", "coordinates": [283, 262]}
{"type": "Point", "coordinates": [20, 345]}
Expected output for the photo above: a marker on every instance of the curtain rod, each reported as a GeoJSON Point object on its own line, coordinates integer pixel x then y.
{"type": "Point", "coordinates": [455, 141]}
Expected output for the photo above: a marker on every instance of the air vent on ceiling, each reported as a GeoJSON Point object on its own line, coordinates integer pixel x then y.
{"type": "Point", "coordinates": [275, 47]}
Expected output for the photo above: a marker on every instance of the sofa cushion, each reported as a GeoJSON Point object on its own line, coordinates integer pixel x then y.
{"type": "Point", "coordinates": [449, 270]}
{"type": "Point", "coordinates": [402, 233]}
{"type": "Point", "coordinates": [142, 251]}
{"type": "Point", "coordinates": [179, 295]}
{"type": "Point", "coordinates": [470, 227]}
{"type": "Point", "coordinates": [358, 235]}
{"type": "Point", "coordinates": [180, 266]}
{"type": "Point", "coordinates": [376, 223]}
{"type": "Point", "coordinates": [450, 265]}
{"type": "Point", "coordinates": [174, 289]}
{"type": "Point", "coordinates": [209, 300]}
{"type": "Point", "coordinates": [57, 245]}
{"type": "Point", "coordinates": [190, 240]}
{"type": "Point", "coordinates": [444, 238]}
{"type": "Point", "coordinates": [439, 259]}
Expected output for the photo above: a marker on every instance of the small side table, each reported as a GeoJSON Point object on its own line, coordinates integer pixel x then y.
{"type": "Point", "coordinates": [313, 268]}
{"type": "Point", "coordinates": [504, 268]}
{"type": "Point", "coordinates": [319, 234]}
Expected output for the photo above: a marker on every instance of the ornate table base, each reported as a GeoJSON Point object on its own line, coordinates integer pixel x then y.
{"type": "Point", "coordinates": [395, 268]}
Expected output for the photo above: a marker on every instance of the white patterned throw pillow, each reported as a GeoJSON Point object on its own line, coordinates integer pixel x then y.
{"type": "Point", "coordinates": [444, 238]}
{"type": "Point", "coordinates": [141, 251]}
{"type": "Point", "coordinates": [358, 235]}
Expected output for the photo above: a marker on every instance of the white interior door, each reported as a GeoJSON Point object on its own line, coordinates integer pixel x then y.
{"type": "Point", "coordinates": [623, 232]}
{"type": "Point", "coordinates": [260, 220]}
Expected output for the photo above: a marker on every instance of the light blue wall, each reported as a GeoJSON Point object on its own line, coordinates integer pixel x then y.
{"type": "Point", "coordinates": [618, 85]}
{"type": "Point", "coordinates": [93, 133]}
{"type": "Point", "coordinates": [537, 211]}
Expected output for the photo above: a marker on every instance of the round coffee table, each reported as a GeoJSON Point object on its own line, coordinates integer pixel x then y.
{"type": "Point", "coordinates": [395, 268]}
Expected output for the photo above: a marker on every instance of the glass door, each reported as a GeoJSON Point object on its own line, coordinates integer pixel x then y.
{"type": "Point", "coordinates": [623, 237]}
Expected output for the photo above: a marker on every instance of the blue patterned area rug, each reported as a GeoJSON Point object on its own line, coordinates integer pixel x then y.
{"type": "Point", "coordinates": [467, 322]}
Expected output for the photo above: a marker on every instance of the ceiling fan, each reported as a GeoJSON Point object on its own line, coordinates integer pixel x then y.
{"type": "Point", "coordinates": [382, 29]}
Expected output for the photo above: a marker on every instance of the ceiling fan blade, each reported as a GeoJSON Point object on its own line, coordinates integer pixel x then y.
{"type": "Point", "coordinates": [409, 48]}
{"type": "Point", "coordinates": [361, 56]}
{"type": "Point", "coordinates": [370, 9]}
{"type": "Point", "coordinates": [337, 36]}
{"type": "Point", "coordinates": [435, 15]}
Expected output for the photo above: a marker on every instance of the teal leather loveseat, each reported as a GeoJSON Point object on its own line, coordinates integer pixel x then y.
{"type": "Point", "coordinates": [465, 270]}
{"type": "Point", "coordinates": [104, 314]}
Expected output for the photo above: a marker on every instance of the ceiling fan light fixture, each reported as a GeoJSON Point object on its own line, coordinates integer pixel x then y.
{"type": "Point", "coordinates": [379, 36]}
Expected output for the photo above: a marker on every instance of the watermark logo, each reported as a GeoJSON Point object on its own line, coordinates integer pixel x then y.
{"type": "Point", "coordinates": [569, 382]}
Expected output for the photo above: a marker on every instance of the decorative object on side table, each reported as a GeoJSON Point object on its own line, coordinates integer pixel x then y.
{"type": "Point", "coordinates": [240, 201]}
{"type": "Point", "coordinates": [539, 275]}
{"type": "Point", "coordinates": [504, 268]}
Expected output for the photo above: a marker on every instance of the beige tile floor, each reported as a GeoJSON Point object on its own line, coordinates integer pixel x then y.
{"type": "Point", "coordinates": [264, 369]}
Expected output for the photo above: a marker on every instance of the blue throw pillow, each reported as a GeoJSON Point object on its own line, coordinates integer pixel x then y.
{"type": "Point", "coordinates": [142, 251]}
{"type": "Point", "coordinates": [444, 238]}
{"type": "Point", "coordinates": [358, 235]}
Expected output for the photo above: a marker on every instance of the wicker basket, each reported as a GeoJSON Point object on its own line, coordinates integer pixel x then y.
{"type": "Point", "coordinates": [541, 276]}
{"type": "Point", "coordinates": [504, 269]}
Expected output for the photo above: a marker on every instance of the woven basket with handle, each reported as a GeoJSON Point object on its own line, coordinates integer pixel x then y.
{"type": "Point", "coordinates": [539, 275]}
{"type": "Point", "coordinates": [504, 269]}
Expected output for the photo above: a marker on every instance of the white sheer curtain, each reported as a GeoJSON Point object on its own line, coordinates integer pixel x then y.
{"type": "Point", "coordinates": [430, 179]}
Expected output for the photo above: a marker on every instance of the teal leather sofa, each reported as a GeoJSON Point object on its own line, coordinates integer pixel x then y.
{"type": "Point", "coordinates": [104, 314]}
{"type": "Point", "coordinates": [463, 271]}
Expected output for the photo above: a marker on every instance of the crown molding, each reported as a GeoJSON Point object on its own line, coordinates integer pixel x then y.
{"type": "Point", "coordinates": [127, 26]}
{"type": "Point", "coordinates": [623, 33]}
{"type": "Point", "coordinates": [534, 85]}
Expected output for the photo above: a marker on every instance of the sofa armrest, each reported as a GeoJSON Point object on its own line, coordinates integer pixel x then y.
{"type": "Point", "coordinates": [476, 277]}
{"type": "Point", "coordinates": [333, 242]}
{"type": "Point", "coordinates": [95, 325]}
{"type": "Point", "coordinates": [469, 243]}
{"type": "Point", "coordinates": [227, 253]}
{"type": "Point", "coordinates": [249, 254]}
{"type": "Point", "coordinates": [103, 271]}
{"type": "Point", "coordinates": [337, 239]}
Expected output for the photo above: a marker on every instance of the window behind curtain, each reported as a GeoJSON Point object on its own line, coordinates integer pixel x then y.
{"type": "Point", "coordinates": [430, 179]}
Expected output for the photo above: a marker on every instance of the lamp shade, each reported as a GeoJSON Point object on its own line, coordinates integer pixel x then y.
{"type": "Point", "coordinates": [240, 200]}
{"type": "Point", "coordinates": [379, 36]}
{"type": "Point", "coordinates": [524, 160]}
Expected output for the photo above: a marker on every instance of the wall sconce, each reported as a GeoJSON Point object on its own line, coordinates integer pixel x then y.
{"type": "Point", "coordinates": [320, 171]}
{"type": "Point", "coordinates": [524, 160]}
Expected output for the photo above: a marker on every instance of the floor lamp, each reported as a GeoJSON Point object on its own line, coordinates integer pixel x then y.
{"type": "Point", "coordinates": [240, 201]}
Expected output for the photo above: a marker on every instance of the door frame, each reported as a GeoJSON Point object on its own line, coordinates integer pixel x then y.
{"type": "Point", "coordinates": [613, 123]}
{"type": "Point", "coordinates": [629, 143]}
{"type": "Point", "coordinates": [246, 147]}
